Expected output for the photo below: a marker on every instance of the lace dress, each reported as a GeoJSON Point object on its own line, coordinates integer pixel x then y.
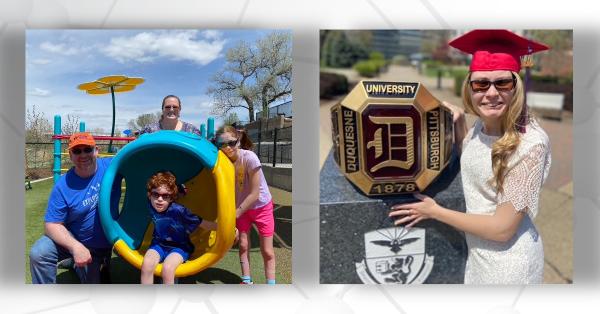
{"type": "Point", "coordinates": [521, 259]}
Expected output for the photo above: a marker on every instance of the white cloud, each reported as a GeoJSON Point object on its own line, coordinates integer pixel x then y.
{"type": "Point", "coordinates": [39, 92]}
{"type": "Point", "coordinates": [174, 45]}
{"type": "Point", "coordinates": [212, 34]}
{"type": "Point", "coordinates": [59, 48]}
{"type": "Point", "coordinates": [41, 61]}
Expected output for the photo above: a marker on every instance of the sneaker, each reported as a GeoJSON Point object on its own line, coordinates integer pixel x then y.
{"type": "Point", "coordinates": [247, 283]}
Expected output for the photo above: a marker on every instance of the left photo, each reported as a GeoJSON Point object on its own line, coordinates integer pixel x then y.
{"type": "Point", "coordinates": [158, 156]}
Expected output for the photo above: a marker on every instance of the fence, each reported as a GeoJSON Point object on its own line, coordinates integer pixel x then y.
{"type": "Point", "coordinates": [39, 157]}
{"type": "Point", "coordinates": [272, 146]}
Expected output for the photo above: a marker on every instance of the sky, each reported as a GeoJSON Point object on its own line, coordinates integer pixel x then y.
{"type": "Point", "coordinates": [178, 62]}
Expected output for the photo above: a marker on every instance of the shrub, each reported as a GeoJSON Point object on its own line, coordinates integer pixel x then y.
{"type": "Point", "coordinates": [368, 68]}
{"type": "Point", "coordinates": [376, 55]}
{"type": "Point", "coordinates": [332, 84]}
{"type": "Point", "coordinates": [459, 77]}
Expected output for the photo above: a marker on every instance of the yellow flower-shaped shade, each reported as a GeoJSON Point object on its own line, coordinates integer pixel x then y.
{"type": "Point", "coordinates": [119, 83]}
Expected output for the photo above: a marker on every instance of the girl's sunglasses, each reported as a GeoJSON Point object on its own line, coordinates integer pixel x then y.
{"type": "Point", "coordinates": [231, 143]}
{"type": "Point", "coordinates": [78, 151]}
{"type": "Point", "coordinates": [502, 85]}
{"type": "Point", "coordinates": [166, 197]}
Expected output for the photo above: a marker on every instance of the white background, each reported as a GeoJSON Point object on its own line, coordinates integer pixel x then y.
{"type": "Point", "coordinates": [305, 18]}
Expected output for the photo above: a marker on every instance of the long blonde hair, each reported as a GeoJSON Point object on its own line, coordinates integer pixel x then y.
{"type": "Point", "coordinates": [507, 144]}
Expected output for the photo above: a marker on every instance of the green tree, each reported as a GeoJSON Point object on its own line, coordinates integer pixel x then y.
{"type": "Point", "coordinates": [340, 52]}
{"type": "Point", "coordinates": [558, 61]}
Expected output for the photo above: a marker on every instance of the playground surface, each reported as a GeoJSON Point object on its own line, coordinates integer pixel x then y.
{"type": "Point", "coordinates": [226, 270]}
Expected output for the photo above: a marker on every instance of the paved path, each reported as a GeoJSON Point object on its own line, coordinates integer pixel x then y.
{"type": "Point", "coordinates": [555, 219]}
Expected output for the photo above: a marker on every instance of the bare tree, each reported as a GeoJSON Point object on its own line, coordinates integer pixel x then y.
{"type": "Point", "coordinates": [37, 130]}
{"type": "Point", "coordinates": [254, 74]}
{"type": "Point", "coordinates": [275, 75]}
{"type": "Point", "coordinates": [98, 131]}
{"type": "Point", "coordinates": [143, 120]}
{"type": "Point", "coordinates": [37, 127]}
{"type": "Point", "coordinates": [70, 125]}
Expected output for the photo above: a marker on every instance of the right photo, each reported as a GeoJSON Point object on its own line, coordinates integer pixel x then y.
{"type": "Point", "coordinates": [446, 156]}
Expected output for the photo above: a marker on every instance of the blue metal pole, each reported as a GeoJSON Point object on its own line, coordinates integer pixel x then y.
{"type": "Point", "coordinates": [211, 128]}
{"type": "Point", "coordinates": [203, 130]}
{"type": "Point", "coordinates": [81, 126]}
{"type": "Point", "coordinates": [57, 131]}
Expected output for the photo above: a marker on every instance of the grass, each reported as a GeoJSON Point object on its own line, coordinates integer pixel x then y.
{"type": "Point", "coordinates": [225, 271]}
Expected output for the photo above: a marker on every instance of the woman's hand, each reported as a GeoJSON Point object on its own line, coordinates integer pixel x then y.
{"type": "Point", "coordinates": [460, 123]}
{"type": "Point", "coordinates": [415, 212]}
{"type": "Point", "coordinates": [458, 113]}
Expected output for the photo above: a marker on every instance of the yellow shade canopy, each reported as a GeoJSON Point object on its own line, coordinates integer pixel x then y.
{"type": "Point", "coordinates": [119, 83]}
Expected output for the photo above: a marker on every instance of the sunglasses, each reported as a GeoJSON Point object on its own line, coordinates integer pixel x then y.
{"type": "Point", "coordinates": [231, 143]}
{"type": "Point", "coordinates": [172, 107]}
{"type": "Point", "coordinates": [166, 196]}
{"type": "Point", "coordinates": [502, 85]}
{"type": "Point", "coordinates": [78, 151]}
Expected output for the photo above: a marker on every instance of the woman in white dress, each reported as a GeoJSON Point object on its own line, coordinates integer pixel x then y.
{"type": "Point", "coordinates": [505, 159]}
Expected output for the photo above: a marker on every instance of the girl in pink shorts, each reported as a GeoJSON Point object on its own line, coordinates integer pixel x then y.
{"type": "Point", "coordinates": [253, 200]}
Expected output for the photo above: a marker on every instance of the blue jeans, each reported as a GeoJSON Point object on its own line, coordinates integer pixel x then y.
{"type": "Point", "coordinates": [45, 254]}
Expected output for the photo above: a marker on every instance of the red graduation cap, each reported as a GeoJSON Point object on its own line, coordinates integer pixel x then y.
{"type": "Point", "coordinates": [496, 49]}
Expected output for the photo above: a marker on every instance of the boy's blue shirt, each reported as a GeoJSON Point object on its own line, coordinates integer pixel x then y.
{"type": "Point", "coordinates": [172, 227]}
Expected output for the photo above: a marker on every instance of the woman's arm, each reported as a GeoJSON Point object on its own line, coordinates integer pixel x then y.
{"type": "Point", "coordinates": [520, 196]}
{"type": "Point", "coordinates": [254, 192]}
{"type": "Point", "coordinates": [501, 226]}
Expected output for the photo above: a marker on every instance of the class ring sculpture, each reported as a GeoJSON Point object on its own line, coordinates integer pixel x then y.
{"type": "Point", "coordinates": [208, 176]}
{"type": "Point", "coordinates": [391, 137]}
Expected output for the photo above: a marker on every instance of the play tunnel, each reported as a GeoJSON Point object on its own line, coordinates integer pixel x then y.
{"type": "Point", "coordinates": [208, 176]}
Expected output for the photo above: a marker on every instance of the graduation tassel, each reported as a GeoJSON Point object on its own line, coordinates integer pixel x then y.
{"type": "Point", "coordinates": [527, 63]}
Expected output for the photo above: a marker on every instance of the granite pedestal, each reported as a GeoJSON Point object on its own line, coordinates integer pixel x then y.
{"type": "Point", "coordinates": [346, 215]}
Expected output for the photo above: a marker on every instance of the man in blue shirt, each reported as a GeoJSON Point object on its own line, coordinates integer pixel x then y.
{"type": "Point", "coordinates": [72, 221]}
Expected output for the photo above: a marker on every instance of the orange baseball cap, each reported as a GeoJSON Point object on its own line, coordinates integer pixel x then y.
{"type": "Point", "coordinates": [82, 138]}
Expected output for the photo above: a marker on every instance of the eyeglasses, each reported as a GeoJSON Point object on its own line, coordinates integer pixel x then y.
{"type": "Point", "coordinates": [501, 85]}
{"type": "Point", "coordinates": [172, 107]}
{"type": "Point", "coordinates": [231, 143]}
{"type": "Point", "coordinates": [78, 151]}
{"type": "Point", "coordinates": [166, 196]}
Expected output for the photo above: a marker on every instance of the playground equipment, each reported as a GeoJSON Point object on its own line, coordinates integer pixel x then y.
{"type": "Point", "coordinates": [208, 176]}
{"type": "Point", "coordinates": [111, 84]}
{"type": "Point", "coordinates": [58, 136]}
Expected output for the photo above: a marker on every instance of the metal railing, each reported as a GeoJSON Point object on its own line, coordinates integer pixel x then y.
{"type": "Point", "coordinates": [40, 155]}
{"type": "Point", "coordinates": [284, 109]}
{"type": "Point", "coordinates": [273, 146]}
